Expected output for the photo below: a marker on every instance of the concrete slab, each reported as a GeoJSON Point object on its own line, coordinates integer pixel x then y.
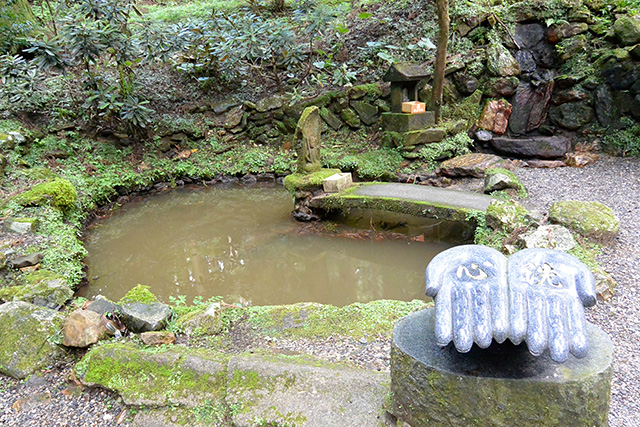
{"type": "Point", "coordinates": [423, 193]}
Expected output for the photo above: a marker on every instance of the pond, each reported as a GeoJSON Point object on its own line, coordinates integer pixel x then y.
{"type": "Point", "coordinates": [241, 243]}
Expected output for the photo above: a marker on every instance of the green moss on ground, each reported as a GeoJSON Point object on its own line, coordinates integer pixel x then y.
{"type": "Point", "coordinates": [59, 192]}
{"type": "Point", "coordinates": [592, 220]}
{"type": "Point", "coordinates": [316, 321]}
{"type": "Point", "coordinates": [517, 184]}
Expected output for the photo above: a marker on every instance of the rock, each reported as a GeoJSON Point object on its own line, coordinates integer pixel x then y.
{"type": "Point", "coordinates": [26, 338]}
{"type": "Point", "coordinates": [398, 122]}
{"type": "Point", "coordinates": [635, 52]}
{"type": "Point", "coordinates": [546, 147]}
{"type": "Point", "coordinates": [466, 84]}
{"type": "Point", "coordinates": [248, 179]}
{"type": "Point", "coordinates": [529, 35]}
{"type": "Point", "coordinates": [439, 386]}
{"type": "Point", "coordinates": [101, 305]}
{"type": "Point", "coordinates": [484, 136]}
{"type": "Point", "coordinates": [413, 138]}
{"type": "Point", "coordinates": [526, 61]}
{"type": "Point", "coordinates": [3, 260]}
{"type": "Point", "coordinates": [139, 317]}
{"type": "Point", "coordinates": [572, 115]}
{"type": "Point", "coordinates": [499, 181]}
{"type": "Point", "coordinates": [309, 392]}
{"type": "Point", "coordinates": [473, 164]}
{"type": "Point", "coordinates": [581, 158]}
{"type": "Point", "coordinates": [589, 219]}
{"type": "Point", "coordinates": [208, 322]}
{"type": "Point", "coordinates": [307, 138]}
{"type": "Point", "coordinates": [10, 139]}
{"type": "Point", "coordinates": [271, 103]}
{"type": "Point", "coordinates": [627, 28]}
{"type": "Point", "coordinates": [549, 237]}
{"type": "Point", "coordinates": [566, 30]}
{"type": "Point", "coordinates": [158, 338]}
{"type": "Point", "coordinates": [530, 107]}
{"type": "Point", "coordinates": [506, 215]}
{"type": "Point", "coordinates": [546, 164]}
{"type": "Point", "coordinates": [368, 113]}
{"type": "Point", "coordinates": [350, 118]}
{"type": "Point", "coordinates": [3, 163]}
{"type": "Point", "coordinates": [83, 328]}
{"type": "Point", "coordinates": [330, 119]}
{"type": "Point", "coordinates": [27, 260]}
{"type": "Point", "coordinates": [605, 284]}
{"type": "Point", "coordinates": [21, 225]}
{"type": "Point", "coordinates": [495, 116]}
{"type": "Point", "coordinates": [43, 288]}
{"type": "Point", "coordinates": [233, 118]}
{"type": "Point", "coordinates": [173, 377]}
{"type": "Point", "coordinates": [224, 106]}
{"type": "Point", "coordinates": [503, 87]}
{"type": "Point", "coordinates": [569, 95]}
{"type": "Point", "coordinates": [500, 62]}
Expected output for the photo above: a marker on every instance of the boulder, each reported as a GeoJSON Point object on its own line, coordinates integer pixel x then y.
{"type": "Point", "coordinates": [566, 30]}
{"type": "Point", "coordinates": [500, 181]}
{"type": "Point", "coordinates": [473, 164]}
{"type": "Point", "coordinates": [350, 118]}
{"type": "Point", "coordinates": [271, 103]}
{"type": "Point", "coordinates": [83, 328]}
{"type": "Point", "coordinates": [572, 115]}
{"type": "Point", "coordinates": [495, 116]}
{"type": "Point", "coordinates": [627, 28]}
{"type": "Point", "coordinates": [500, 62]}
{"type": "Point", "coordinates": [589, 219]}
{"type": "Point", "coordinates": [330, 119]}
{"type": "Point", "coordinates": [26, 338]}
{"type": "Point", "coordinates": [21, 225]}
{"type": "Point", "coordinates": [232, 118]}
{"type": "Point", "coordinates": [580, 158]}
{"type": "Point", "coordinates": [530, 106]}
{"type": "Point", "coordinates": [529, 35]}
{"type": "Point", "coordinates": [140, 317]}
{"type": "Point", "coordinates": [101, 305]}
{"type": "Point", "coordinates": [502, 87]}
{"type": "Point", "coordinates": [546, 147]}
{"type": "Point", "coordinates": [549, 237]}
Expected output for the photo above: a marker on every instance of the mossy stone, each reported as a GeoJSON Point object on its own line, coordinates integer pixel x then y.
{"type": "Point", "coordinates": [593, 220]}
{"type": "Point", "coordinates": [26, 343]}
{"type": "Point", "coordinates": [627, 28]}
{"type": "Point", "coordinates": [175, 376]}
{"type": "Point", "coordinates": [59, 192]}
{"type": "Point", "coordinates": [42, 288]}
{"type": "Point", "coordinates": [141, 294]}
{"type": "Point", "coordinates": [304, 182]}
{"type": "Point", "coordinates": [506, 215]}
{"type": "Point", "coordinates": [350, 118]}
{"type": "Point", "coordinates": [500, 62]}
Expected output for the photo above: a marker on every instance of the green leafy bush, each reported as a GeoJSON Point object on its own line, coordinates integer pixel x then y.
{"type": "Point", "coordinates": [625, 142]}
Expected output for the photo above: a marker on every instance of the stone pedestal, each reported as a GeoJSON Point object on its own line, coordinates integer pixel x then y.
{"type": "Point", "coordinates": [503, 385]}
{"type": "Point", "coordinates": [402, 122]}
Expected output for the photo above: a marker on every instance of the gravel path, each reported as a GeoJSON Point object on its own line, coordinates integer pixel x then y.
{"type": "Point", "coordinates": [53, 398]}
{"type": "Point", "coordinates": [616, 183]}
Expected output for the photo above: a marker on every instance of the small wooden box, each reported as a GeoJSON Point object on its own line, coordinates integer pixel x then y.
{"type": "Point", "coordinates": [414, 107]}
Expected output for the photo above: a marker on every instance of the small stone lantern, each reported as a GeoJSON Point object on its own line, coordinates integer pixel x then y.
{"type": "Point", "coordinates": [404, 78]}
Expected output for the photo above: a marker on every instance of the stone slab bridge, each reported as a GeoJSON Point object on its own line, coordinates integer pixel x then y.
{"type": "Point", "coordinates": [411, 199]}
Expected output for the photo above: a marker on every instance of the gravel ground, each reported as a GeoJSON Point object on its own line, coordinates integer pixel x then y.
{"type": "Point", "coordinates": [616, 183]}
{"type": "Point", "coordinates": [54, 399]}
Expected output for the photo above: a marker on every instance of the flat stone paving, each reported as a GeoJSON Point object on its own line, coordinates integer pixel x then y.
{"type": "Point", "coordinates": [430, 195]}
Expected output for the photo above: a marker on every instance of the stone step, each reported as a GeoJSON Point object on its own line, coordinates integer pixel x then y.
{"type": "Point", "coordinates": [417, 137]}
{"type": "Point", "coordinates": [401, 122]}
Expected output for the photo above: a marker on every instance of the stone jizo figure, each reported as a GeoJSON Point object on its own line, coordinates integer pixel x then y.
{"type": "Point", "coordinates": [307, 140]}
{"type": "Point", "coordinates": [537, 296]}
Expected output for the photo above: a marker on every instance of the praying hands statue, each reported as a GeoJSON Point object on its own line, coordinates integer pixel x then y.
{"type": "Point", "coordinates": [536, 296]}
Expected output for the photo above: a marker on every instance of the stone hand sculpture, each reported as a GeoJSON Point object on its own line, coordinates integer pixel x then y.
{"type": "Point", "coordinates": [537, 296]}
{"type": "Point", "coordinates": [469, 285]}
{"type": "Point", "coordinates": [548, 291]}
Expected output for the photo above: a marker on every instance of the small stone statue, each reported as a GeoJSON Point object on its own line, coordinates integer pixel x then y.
{"type": "Point", "coordinates": [307, 140]}
{"type": "Point", "coordinates": [537, 296]}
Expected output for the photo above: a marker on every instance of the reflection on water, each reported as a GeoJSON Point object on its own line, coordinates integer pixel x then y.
{"type": "Point", "coordinates": [241, 243]}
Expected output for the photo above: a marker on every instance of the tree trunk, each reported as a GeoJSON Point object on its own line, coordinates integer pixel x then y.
{"type": "Point", "coordinates": [441, 57]}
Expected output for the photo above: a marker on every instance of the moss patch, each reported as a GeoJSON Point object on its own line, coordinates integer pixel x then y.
{"type": "Point", "coordinates": [310, 320]}
{"type": "Point", "coordinates": [59, 192]}
{"type": "Point", "coordinates": [162, 376]}
{"type": "Point", "coordinates": [301, 182]}
{"type": "Point", "coordinates": [590, 219]}
{"type": "Point", "coordinates": [517, 184]}
{"type": "Point", "coordinates": [141, 294]}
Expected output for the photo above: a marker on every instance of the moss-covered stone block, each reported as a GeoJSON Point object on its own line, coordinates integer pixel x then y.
{"type": "Point", "coordinates": [304, 182]}
{"type": "Point", "coordinates": [158, 377]}
{"type": "Point", "coordinates": [141, 294]}
{"type": "Point", "coordinates": [593, 220]}
{"type": "Point", "coordinates": [60, 193]}
{"type": "Point", "coordinates": [496, 179]}
{"type": "Point", "coordinates": [627, 28]}
{"type": "Point", "coordinates": [401, 122]}
{"type": "Point", "coordinates": [501, 385]}
{"type": "Point", "coordinates": [350, 118]}
{"type": "Point", "coordinates": [28, 338]}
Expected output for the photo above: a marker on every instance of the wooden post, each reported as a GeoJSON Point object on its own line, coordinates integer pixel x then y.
{"type": "Point", "coordinates": [441, 57]}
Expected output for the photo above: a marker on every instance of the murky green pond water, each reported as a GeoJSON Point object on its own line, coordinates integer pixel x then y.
{"type": "Point", "coordinates": [240, 243]}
